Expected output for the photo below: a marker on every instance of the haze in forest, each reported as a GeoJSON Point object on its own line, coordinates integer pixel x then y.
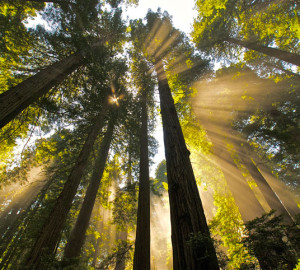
{"type": "Point", "coordinates": [83, 95]}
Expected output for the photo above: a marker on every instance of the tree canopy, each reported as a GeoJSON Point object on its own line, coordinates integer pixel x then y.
{"type": "Point", "coordinates": [82, 94]}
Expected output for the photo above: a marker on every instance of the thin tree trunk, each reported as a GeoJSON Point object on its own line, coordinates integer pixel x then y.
{"type": "Point", "coordinates": [49, 236]}
{"type": "Point", "coordinates": [77, 237]}
{"type": "Point", "coordinates": [120, 264]}
{"type": "Point", "coordinates": [288, 57]}
{"type": "Point", "coordinates": [142, 241]}
{"type": "Point", "coordinates": [286, 196]}
{"type": "Point", "coordinates": [265, 188]}
{"type": "Point", "coordinates": [19, 97]}
{"type": "Point", "coordinates": [279, 67]}
{"type": "Point", "coordinates": [187, 214]}
{"type": "Point", "coordinates": [249, 206]}
{"type": "Point", "coordinates": [245, 199]}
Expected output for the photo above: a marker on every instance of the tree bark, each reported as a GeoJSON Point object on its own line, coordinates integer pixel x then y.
{"type": "Point", "coordinates": [187, 214]}
{"type": "Point", "coordinates": [19, 97]}
{"type": "Point", "coordinates": [142, 241]}
{"type": "Point", "coordinates": [288, 57]}
{"type": "Point", "coordinates": [49, 236]}
{"type": "Point", "coordinates": [77, 237]}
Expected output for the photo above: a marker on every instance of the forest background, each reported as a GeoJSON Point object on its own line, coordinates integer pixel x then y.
{"type": "Point", "coordinates": [80, 98]}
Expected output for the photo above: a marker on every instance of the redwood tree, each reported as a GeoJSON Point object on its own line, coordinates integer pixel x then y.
{"type": "Point", "coordinates": [77, 237]}
{"type": "Point", "coordinates": [188, 221]}
{"type": "Point", "coordinates": [49, 236]}
{"type": "Point", "coordinates": [142, 241]}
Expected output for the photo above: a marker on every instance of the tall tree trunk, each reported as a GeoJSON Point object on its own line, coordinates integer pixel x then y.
{"type": "Point", "coordinates": [187, 214]}
{"type": "Point", "coordinates": [245, 199]}
{"type": "Point", "coordinates": [49, 236]}
{"type": "Point", "coordinates": [77, 237]}
{"type": "Point", "coordinates": [246, 155]}
{"type": "Point", "coordinates": [19, 97]}
{"type": "Point", "coordinates": [265, 188]}
{"type": "Point", "coordinates": [286, 196]}
{"type": "Point", "coordinates": [120, 264]}
{"type": "Point", "coordinates": [288, 57]}
{"type": "Point", "coordinates": [249, 206]}
{"type": "Point", "coordinates": [142, 241]}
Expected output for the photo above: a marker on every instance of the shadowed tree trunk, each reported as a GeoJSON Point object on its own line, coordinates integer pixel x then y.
{"type": "Point", "coordinates": [288, 57]}
{"type": "Point", "coordinates": [19, 97]}
{"type": "Point", "coordinates": [120, 264]}
{"type": "Point", "coordinates": [187, 214]}
{"type": "Point", "coordinates": [50, 234]}
{"type": "Point", "coordinates": [142, 241]}
{"type": "Point", "coordinates": [77, 237]}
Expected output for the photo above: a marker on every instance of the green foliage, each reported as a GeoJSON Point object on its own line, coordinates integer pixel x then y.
{"type": "Point", "coordinates": [160, 183]}
{"type": "Point", "coordinates": [121, 251]}
{"type": "Point", "coordinates": [125, 207]}
{"type": "Point", "coordinates": [267, 238]}
{"type": "Point", "coordinates": [266, 22]}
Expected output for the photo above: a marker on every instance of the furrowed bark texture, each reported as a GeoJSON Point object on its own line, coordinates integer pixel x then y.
{"type": "Point", "coordinates": [19, 97]}
{"type": "Point", "coordinates": [50, 234]}
{"type": "Point", "coordinates": [142, 240]}
{"type": "Point", "coordinates": [187, 214]}
{"type": "Point", "coordinates": [77, 237]}
{"type": "Point", "coordinates": [288, 57]}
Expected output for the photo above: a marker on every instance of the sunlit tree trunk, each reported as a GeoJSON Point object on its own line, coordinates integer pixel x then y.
{"type": "Point", "coordinates": [77, 237]}
{"type": "Point", "coordinates": [187, 214]}
{"type": "Point", "coordinates": [265, 188]}
{"type": "Point", "coordinates": [142, 241]}
{"type": "Point", "coordinates": [50, 234]}
{"type": "Point", "coordinates": [288, 57]}
{"type": "Point", "coordinates": [285, 195]}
